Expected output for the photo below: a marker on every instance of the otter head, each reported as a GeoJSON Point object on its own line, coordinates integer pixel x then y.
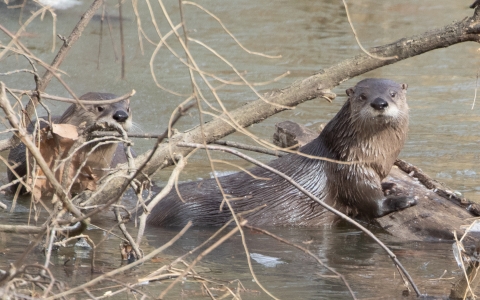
{"type": "Point", "coordinates": [113, 114]}
{"type": "Point", "coordinates": [380, 101]}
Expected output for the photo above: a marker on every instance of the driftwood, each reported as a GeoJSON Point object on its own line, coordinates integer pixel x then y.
{"type": "Point", "coordinates": [438, 214]}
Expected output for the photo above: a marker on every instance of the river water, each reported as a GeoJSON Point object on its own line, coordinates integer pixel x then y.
{"type": "Point", "coordinates": [309, 36]}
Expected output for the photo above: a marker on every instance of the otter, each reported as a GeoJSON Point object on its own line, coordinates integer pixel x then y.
{"type": "Point", "coordinates": [117, 113]}
{"type": "Point", "coordinates": [369, 131]}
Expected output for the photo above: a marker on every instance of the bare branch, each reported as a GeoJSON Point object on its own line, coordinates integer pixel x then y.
{"type": "Point", "coordinates": [124, 268]}
{"type": "Point", "coordinates": [310, 88]}
{"type": "Point", "coordinates": [358, 41]}
{"type": "Point", "coordinates": [22, 134]}
{"type": "Point", "coordinates": [314, 198]}
{"type": "Point", "coordinates": [70, 100]}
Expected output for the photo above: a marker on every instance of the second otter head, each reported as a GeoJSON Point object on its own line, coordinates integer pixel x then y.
{"type": "Point", "coordinates": [381, 101]}
{"type": "Point", "coordinates": [117, 113]}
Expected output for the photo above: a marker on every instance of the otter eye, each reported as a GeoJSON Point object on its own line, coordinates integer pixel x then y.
{"type": "Point", "coordinates": [393, 94]}
{"type": "Point", "coordinates": [100, 108]}
{"type": "Point", "coordinates": [363, 97]}
{"type": "Point", "coordinates": [128, 109]}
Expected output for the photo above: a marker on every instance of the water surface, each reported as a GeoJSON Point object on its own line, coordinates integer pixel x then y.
{"type": "Point", "coordinates": [309, 36]}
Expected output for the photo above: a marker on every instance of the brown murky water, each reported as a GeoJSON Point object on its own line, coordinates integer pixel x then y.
{"type": "Point", "coordinates": [310, 35]}
{"type": "Point", "coordinates": [286, 272]}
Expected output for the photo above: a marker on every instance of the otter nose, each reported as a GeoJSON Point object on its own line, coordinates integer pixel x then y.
{"type": "Point", "coordinates": [379, 104]}
{"type": "Point", "coordinates": [120, 116]}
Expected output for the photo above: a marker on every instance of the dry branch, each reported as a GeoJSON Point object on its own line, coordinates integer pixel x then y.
{"type": "Point", "coordinates": [23, 136]}
{"type": "Point", "coordinates": [23, 229]}
{"type": "Point", "coordinates": [124, 268]}
{"type": "Point", "coordinates": [310, 88]}
{"type": "Point", "coordinates": [313, 198]}
{"type": "Point", "coordinates": [62, 53]}
{"type": "Point", "coordinates": [308, 252]}
{"type": "Point", "coordinates": [70, 100]}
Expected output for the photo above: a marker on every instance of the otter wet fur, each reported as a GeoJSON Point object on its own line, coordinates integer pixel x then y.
{"type": "Point", "coordinates": [369, 131]}
{"type": "Point", "coordinates": [114, 113]}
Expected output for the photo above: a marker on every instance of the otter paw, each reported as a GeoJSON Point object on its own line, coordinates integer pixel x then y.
{"type": "Point", "coordinates": [389, 188]}
{"type": "Point", "coordinates": [392, 204]}
{"type": "Point", "coordinates": [405, 202]}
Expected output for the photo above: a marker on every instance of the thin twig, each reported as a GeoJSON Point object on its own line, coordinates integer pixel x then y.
{"type": "Point", "coordinates": [49, 248]}
{"type": "Point", "coordinates": [166, 189]}
{"type": "Point", "coordinates": [200, 256]}
{"type": "Point", "coordinates": [476, 88]}
{"type": "Point", "coordinates": [306, 251]}
{"type": "Point", "coordinates": [239, 74]}
{"type": "Point", "coordinates": [128, 236]}
{"type": "Point", "coordinates": [100, 36]}
{"type": "Point", "coordinates": [124, 268]}
{"type": "Point", "coordinates": [358, 41]}
{"type": "Point", "coordinates": [251, 148]}
{"type": "Point", "coordinates": [122, 42]}
{"type": "Point", "coordinates": [21, 229]}
{"type": "Point", "coordinates": [459, 246]}
{"type": "Point", "coordinates": [314, 198]}
{"type": "Point", "coordinates": [70, 100]}
{"type": "Point", "coordinates": [229, 33]}
{"type": "Point", "coordinates": [22, 134]}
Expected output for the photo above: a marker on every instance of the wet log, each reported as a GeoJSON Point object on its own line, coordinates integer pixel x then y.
{"type": "Point", "coordinates": [439, 211]}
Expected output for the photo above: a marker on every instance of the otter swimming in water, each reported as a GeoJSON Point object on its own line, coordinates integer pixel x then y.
{"type": "Point", "coordinates": [114, 113]}
{"type": "Point", "coordinates": [369, 131]}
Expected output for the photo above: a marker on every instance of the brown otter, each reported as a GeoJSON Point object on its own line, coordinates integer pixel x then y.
{"type": "Point", "coordinates": [114, 113]}
{"type": "Point", "coordinates": [369, 130]}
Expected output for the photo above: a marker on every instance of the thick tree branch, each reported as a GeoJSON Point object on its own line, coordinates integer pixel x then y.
{"type": "Point", "coordinates": [312, 87]}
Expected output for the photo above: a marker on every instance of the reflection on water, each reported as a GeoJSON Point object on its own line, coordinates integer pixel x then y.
{"type": "Point", "coordinates": [310, 35]}
{"type": "Point", "coordinates": [285, 271]}
{"type": "Point", "coordinates": [291, 274]}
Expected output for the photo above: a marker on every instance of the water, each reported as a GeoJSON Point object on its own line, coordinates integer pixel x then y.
{"type": "Point", "coordinates": [364, 265]}
{"type": "Point", "coordinates": [310, 35]}
{"type": "Point", "coordinates": [286, 272]}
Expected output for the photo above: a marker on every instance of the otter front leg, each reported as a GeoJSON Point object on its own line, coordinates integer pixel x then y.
{"type": "Point", "coordinates": [367, 197]}
{"type": "Point", "coordinates": [394, 203]}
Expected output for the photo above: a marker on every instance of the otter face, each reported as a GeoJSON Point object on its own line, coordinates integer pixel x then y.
{"type": "Point", "coordinates": [378, 101]}
{"type": "Point", "coordinates": [113, 114]}
{"type": "Point", "coordinates": [118, 112]}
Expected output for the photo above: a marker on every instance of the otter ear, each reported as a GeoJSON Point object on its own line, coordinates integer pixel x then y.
{"type": "Point", "coordinates": [349, 92]}
{"type": "Point", "coordinates": [404, 86]}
